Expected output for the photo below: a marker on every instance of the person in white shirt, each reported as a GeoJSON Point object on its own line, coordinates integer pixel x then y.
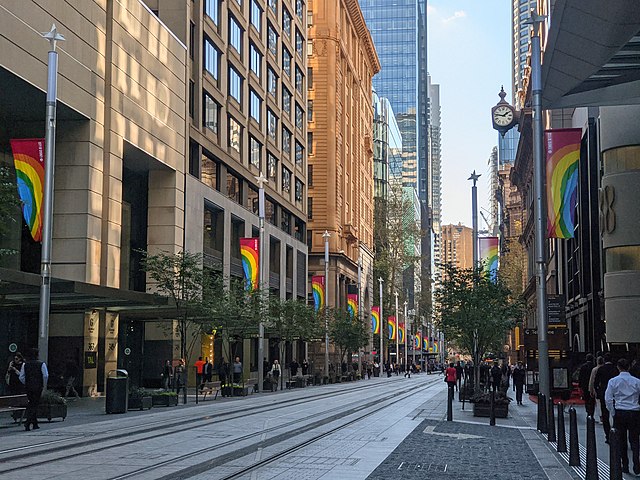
{"type": "Point", "coordinates": [622, 398]}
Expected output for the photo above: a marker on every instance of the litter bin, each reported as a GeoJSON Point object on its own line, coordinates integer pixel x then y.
{"type": "Point", "coordinates": [117, 399]}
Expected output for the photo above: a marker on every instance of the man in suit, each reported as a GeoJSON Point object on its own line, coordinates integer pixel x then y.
{"type": "Point", "coordinates": [605, 373]}
{"type": "Point", "coordinates": [34, 376]}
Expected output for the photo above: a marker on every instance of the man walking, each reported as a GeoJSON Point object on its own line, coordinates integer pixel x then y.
{"type": "Point", "coordinates": [622, 397]}
{"type": "Point", "coordinates": [34, 376]}
{"type": "Point", "coordinates": [604, 374]}
{"type": "Point", "coordinates": [583, 383]}
{"type": "Point", "coordinates": [519, 377]}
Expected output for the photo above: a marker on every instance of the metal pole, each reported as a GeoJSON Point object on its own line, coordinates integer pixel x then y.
{"type": "Point", "coordinates": [406, 334]}
{"type": "Point", "coordinates": [381, 356]}
{"type": "Point", "coordinates": [397, 332]}
{"type": "Point", "coordinates": [326, 236]}
{"type": "Point", "coordinates": [474, 221]}
{"type": "Point", "coordinates": [360, 308]}
{"type": "Point", "coordinates": [540, 213]}
{"type": "Point", "coordinates": [263, 284]}
{"type": "Point", "coordinates": [47, 212]}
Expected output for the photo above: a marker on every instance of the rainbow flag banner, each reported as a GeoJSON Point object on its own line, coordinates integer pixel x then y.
{"type": "Point", "coordinates": [435, 347]}
{"type": "Point", "coordinates": [318, 288]}
{"type": "Point", "coordinates": [375, 320]}
{"type": "Point", "coordinates": [488, 249]}
{"type": "Point", "coordinates": [352, 304]}
{"type": "Point", "coordinates": [401, 333]}
{"type": "Point", "coordinates": [28, 158]}
{"type": "Point", "coordinates": [417, 341]}
{"type": "Point", "coordinates": [393, 329]}
{"type": "Point", "coordinates": [425, 344]}
{"type": "Point", "coordinates": [249, 248]}
{"type": "Point", "coordinates": [563, 153]}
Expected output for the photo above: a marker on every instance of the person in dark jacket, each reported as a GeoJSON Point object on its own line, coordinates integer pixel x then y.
{"type": "Point", "coordinates": [583, 383]}
{"type": "Point", "coordinates": [34, 376]}
{"type": "Point", "coordinates": [13, 375]}
{"type": "Point", "coordinates": [496, 377]}
{"type": "Point", "coordinates": [605, 373]}
{"type": "Point", "coordinates": [459, 372]}
{"type": "Point", "coordinates": [519, 376]}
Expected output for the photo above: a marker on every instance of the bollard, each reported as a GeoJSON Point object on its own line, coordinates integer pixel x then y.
{"type": "Point", "coordinates": [539, 420]}
{"type": "Point", "coordinates": [492, 414]}
{"type": "Point", "coordinates": [551, 437]}
{"type": "Point", "coordinates": [574, 452]}
{"type": "Point", "coordinates": [543, 414]}
{"type": "Point", "coordinates": [450, 403]}
{"type": "Point", "coordinates": [562, 440]}
{"type": "Point", "coordinates": [615, 464]}
{"type": "Point", "coordinates": [592, 454]}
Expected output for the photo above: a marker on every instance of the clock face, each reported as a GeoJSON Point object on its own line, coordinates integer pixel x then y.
{"type": "Point", "coordinates": [502, 116]}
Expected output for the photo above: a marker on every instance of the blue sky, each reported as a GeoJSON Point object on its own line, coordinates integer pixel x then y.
{"type": "Point", "coordinates": [469, 56]}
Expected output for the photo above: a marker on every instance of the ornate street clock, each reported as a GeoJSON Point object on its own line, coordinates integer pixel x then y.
{"type": "Point", "coordinates": [503, 115]}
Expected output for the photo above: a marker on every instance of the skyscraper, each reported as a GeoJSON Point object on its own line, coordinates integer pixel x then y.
{"type": "Point", "coordinates": [399, 33]}
{"type": "Point", "coordinates": [520, 12]}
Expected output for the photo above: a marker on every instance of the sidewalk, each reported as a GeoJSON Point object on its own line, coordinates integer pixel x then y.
{"type": "Point", "coordinates": [468, 448]}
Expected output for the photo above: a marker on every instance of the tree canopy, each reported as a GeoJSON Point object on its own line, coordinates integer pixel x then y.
{"type": "Point", "coordinates": [347, 332]}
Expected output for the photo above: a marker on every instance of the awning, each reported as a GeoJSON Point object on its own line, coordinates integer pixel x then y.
{"type": "Point", "coordinates": [21, 291]}
{"type": "Point", "coordinates": [592, 55]}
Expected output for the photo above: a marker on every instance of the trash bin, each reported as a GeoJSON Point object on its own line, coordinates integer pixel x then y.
{"type": "Point", "coordinates": [117, 399]}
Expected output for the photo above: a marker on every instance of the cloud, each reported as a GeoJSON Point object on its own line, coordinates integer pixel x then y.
{"type": "Point", "coordinates": [455, 16]}
{"type": "Point", "coordinates": [431, 9]}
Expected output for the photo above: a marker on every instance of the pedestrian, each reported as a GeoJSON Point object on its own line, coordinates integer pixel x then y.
{"type": "Point", "coordinates": [207, 370]}
{"type": "Point", "coordinates": [519, 376]}
{"type": "Point", "coordinates": [389, 369]}
{"type": "Point", "coordinates": [167, 374]}
{"type": "Point", "coordinates": [71, 372]}
{"type": "Point", "coordinates": [496, 377]}
{"type": "Point", "coordinates": [223, 372]}
{"type": "Point", "coordinates": [237, 370]}
{"type": "Point", "coordinates": [293, 366]}
{"type": "Point", "coordinates": [450, 376]}
{"type": "Point", "coordinates": [305, 367]}
{"type": "Point", "coordinates": [604, 374]}
{"type": "Point", "coordinates": [407, 371]}
{"type": "Point", "coordinates": [592, 389]}
{"type": "Point", "coordinates": [622, 396]}
{"type": "Point", "coordinates": [369, 371]}
{"type": "Point", "coordinates": [275, 372]}
{"type": "Point", "coordinates": [199, 367]}
{"type": "Point", "coordinates": [34, 376]}
{"type": "Point", "coordinates": [179, 376]}
{"type": "Point", "coordinates": [12, 377]}
{"type": "Point", "coordinates": [583, 382]}
{"type": "Point", "coordinates": [459, 372]}
{"type": "Point", "coordinates": [634, 369]}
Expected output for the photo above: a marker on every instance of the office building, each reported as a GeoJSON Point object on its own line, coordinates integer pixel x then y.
{"type": "Point", "coordinates": [457, 246]}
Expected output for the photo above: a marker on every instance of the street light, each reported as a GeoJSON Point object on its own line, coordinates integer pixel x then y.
{"type": "Point", "coordinates": [263, 285]}
{"type": "Point", "coordinates": [326, 236]}
{"type": "Point", "coordinates": [406, 334]}
{"type": "Point", "coordinates": [474, 216]}
{"type": "Point", "coordinates": [397, 332]}
{"type": "Point", "coordinates": [381, 362]}
{"type": "Point", "coordinates": [47, 212]}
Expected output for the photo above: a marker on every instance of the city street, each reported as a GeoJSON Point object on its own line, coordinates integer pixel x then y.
{"type": "Point", "coordinates": [380, 429]}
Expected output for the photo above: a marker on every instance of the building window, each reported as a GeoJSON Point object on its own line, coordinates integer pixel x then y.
{"type": "Point", "coordinates": [286, 180]}
{"type": "Point", "coordinates": [252, 200]}
{"type": "Point", "coordinates": [235, 134]}
{"type": "Point", "coordinates": [192, 39]}
{"type": "Point", "coordinates": [299, 116]}
{"type": "Point", "coordinates": [299, 80]}
{"type": "Point", "coordinates": [310, 175]}
{"type": "Point", "coordinates": [309, 78]}
{"type": "Point", "coordinates": [212, 10]}
{"type": "Point", "coordinates": [272, 169]}
{"type": "Point", "coordinates": [272, 41]}
{"type": "Point", "coordinates": [235, 85]}
{"type": "Point", "coordinates": [300, 10]}
{"type": "Point", "coordinates": [286, 22]}
{"type": "Point", "coordinates": [286, 101]}
{"type": "Point", "coordinates": [272, 83]}
{"type": "Point", "coordinates": [299, 191]}
{"type": "Point", "coordinates": [234, 188]}
{"type": "Point", "coordinates": [299, 44]}
{"type": "Point", "coordinates": [213, 230]}
{"type": "Point", "coordinates": [310, 208]}
{"type": "Point", "coordinates": [192, 98]}
{"type": "Point", "coordinates": [256, 60]}
{"type": "Point", "coordinates": [272, 125]}
{"type": "Point", "coordinates": [299, 155]}
{"type": "Point", "coordinates": [209, 170]}
{"type": "Point", "coordinates": [211, 58]}
{"type": "Point", "coordinates": [270, 212]}
{"type": "Point", "coordinates": [256, 106]}
{"type": "Point", "coordinates": [255, 152]}
{"type": "Point", "coordinates": [256, 15]}
{"type": "Point", "coordinates": [285, 222]}
{"type": "Point", "coordinates": [310, 111]}
{"type": "Point", "coordinates": [310, 143]}
{"type": "Point", "coordinates": [309, 48]}
{"type": "Point", "coordinates": [273, 5]}
{"type": "Point", "coordinates": [286, 142]}
{"type": "Point", "coordinates": [210, 113]}
{"type": "Point", "coordinates": [235, 35]}
{"type": "Point", "coordinates": [194, 160]}
{"type": "Point", "coordinates": [286, 62]}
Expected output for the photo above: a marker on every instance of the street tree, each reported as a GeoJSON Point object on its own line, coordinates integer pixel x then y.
{"type": "Point", "coordinates": [347, 332]}
{"type": "Point", "coordinates": [475, 312]}
{"type": "Point", "coordinates": [9, 204]}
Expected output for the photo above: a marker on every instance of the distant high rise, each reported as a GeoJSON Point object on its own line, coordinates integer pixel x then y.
{"type": "Point", "coordinates": [435, 171]}
{"type": "Point", "coordinates": [457, 246]}
{"type": "Point", "coordinates": [521, 11]}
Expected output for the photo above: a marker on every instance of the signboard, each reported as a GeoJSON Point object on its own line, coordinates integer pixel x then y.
{"type": "Point", "coordinates": [90, 360]}
{"type": "Point", "coordinates": [555, 310]}
{"type": "Point", "coordinates": [557, 338]}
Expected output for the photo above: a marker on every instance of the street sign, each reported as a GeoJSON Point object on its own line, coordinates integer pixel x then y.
{"type": "Point", "coordinates": [555, 309]}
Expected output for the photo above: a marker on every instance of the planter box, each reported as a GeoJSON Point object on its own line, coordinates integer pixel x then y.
{"type": "Point", "coordinates": [141, 403]}
{"type": "Point", "coordinates": [269, 386]}
{"type": "Point", "coordinates": [484, 410]}
{"type": "Point", "coordinates": [164, 400]}
{"type": "Point", "coordinates": [50, 411]}
{"type": "Point", "coordinates": [240, 391]}
{"type": "Point", "coordinates": [300, 382]}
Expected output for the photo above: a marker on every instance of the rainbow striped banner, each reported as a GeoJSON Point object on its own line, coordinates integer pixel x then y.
{"type": "Point", "coordinates": [318, 288]}
{"type": "Point", "coordinates": [435, 347]}
{"type": "Point", "coordinates": [28, 158]}
{"type": "Point", "coordinates": [417, 341]}
{"type": "Point", "coordinates": [249, 248]}
{"type": "Point", "coordinates": [425, 344]}
{"type": "Point", "coordinates": [489, 254]}
{"type": "Point", "coordinates": [393, 330]}
{"type": "Point", "coordinates": [375, 320]}
{"type": "Point", "coordinates": [352, 304]}
{"type": "Point", "coordinates": [401, 333]}
{"type": "Point", "coordinates": [563, 153]}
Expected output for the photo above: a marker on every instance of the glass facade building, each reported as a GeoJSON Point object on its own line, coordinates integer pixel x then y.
{"type": "Point", "coordinates": [387, 147]}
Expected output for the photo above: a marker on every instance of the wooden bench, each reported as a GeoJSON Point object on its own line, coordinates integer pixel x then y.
{"type": "Point", "coordinates": [210, 387]}
{"type": "Point", "coordinates": [14, 404]}
{"type": "Point", "coordinates": [252, 382]}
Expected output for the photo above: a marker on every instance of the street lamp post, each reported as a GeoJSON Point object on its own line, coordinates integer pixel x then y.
{"type": "Point", "coordinates": [47, 212]}
{"type": "Point", "coordinates": [406, 334]}
{"type": "Point", "coordinates": [263, 284]}
{"type": "Point", "coordinates": [326, 236]}
{"type": "Point", "coordinates": [474, 216]}
{"type": "Point", "coordinates": [381, 358]}
{"type": "Point", "coordinates": [397, 332]}
{"type": "Point", "coordinates": [360, 308]}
